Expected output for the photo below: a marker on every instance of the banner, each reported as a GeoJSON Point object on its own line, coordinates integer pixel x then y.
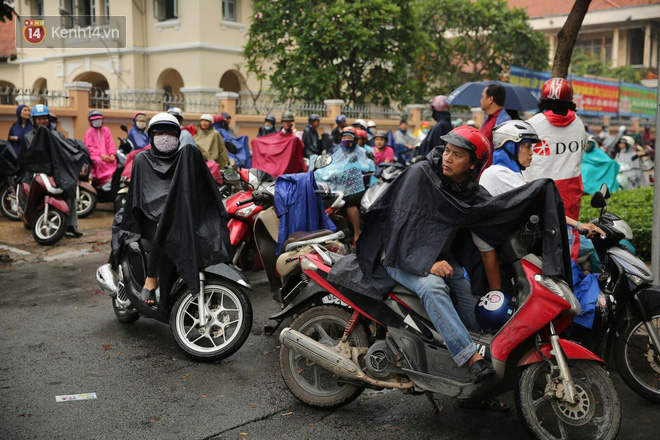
{"type": "Point", "coordinates": [595, 97]}
{"type": "Point", "coordinates": [636, 100]}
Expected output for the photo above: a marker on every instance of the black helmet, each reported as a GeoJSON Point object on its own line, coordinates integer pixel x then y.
{"type": "Point", "coordinates": [313, 117]}
{"type": "Point", "coordinates": [271, 119]}
{"type": "Point", "coordinates": [287, 116]}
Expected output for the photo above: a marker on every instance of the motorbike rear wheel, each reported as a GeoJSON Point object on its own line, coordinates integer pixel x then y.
{"type": "Point", "coordinates": [313, 384]}
{"type": "Point", "coordinates": [48, 231]}
{"type": "Point", "coordinates": [86, 202]}
{"type": "Point", "coordinates": [7, 195]}
{"type": "Point", "coordinates": [595, 415]}
{"type": "Point", "coordinates": [229, 321]}
{"type": "Point", "coordinates": [636, 360]}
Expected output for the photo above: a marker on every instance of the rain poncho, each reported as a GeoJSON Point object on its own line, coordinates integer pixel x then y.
{"type": "Point", "coordinates": [278, 154]}
{"type": "Point", "coordinates": [212, 146]}
{"type": "Point", "coordinates": [345, 172]}
{"type": "Point", "coordinates": [140, 138]}
{"type": "Point", "coordinates": [243, 157]}
{"type": "Point", "coordinates": [98, 142]}
{"type": "Point", "coordinates": [298, 207]}
{"type": "Point", "coordinates": [19, 131]}
{"type": "Point", "coordinates": [599, 168]}
{"type": "Point", "coordinates": [630, 171]}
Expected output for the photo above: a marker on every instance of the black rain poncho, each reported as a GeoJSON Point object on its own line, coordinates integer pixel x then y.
{"type": "Point", "coordinates": [49, 152]}
{"type": "Point", "coordinates": [179, 193]}
{"type": "Point", "coordinates": [411, 222]}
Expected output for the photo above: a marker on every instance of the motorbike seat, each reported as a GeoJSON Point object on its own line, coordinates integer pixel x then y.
{"type": "Point", "coordinates": [403, 289]}
{"type": "Point", "coordinates": [304, 235]}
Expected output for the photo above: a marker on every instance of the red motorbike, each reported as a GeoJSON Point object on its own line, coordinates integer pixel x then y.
{"type": "Point", "coordinates": [43, 208]}
{"type": "Point", "coordinates": [331, 353]}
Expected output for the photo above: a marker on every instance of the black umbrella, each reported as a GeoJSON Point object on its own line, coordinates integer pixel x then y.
{"type": "Point", "coordinates": [517, 97]}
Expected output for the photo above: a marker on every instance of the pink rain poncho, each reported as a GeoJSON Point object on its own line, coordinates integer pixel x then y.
{"type": "Point", "coordinates": [98, 142]}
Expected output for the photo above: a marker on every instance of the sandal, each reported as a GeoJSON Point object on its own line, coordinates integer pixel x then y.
{"type": "Point", "coordinates": [148, 296]}
{"type": "Point", "coordinates": [486, 405]}
{"type": "Point", "coordinates": [481, 370]}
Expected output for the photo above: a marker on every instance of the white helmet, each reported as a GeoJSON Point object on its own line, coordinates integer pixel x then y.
{"type": "Point", "coordinates": [361, 123]}
{"type": "Point", "coordinates": [176, 111]}
{"type": "Point", "coordinates": [516, 131]}
{"type": "Point", "coordinates": [471, 123]}
{"type": "Point", "coordinates": [163, 122]}
{"type": "Point", "coordinates": [371, 124]}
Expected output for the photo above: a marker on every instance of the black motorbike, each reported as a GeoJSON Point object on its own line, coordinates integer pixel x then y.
{"type": "Point", "coordinates": [627, 309]}
{"type": "Point", "coordinates": [208, 325]}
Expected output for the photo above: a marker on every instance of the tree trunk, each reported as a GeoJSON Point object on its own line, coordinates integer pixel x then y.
{"type": "Point", "coordinates": [566, 38]}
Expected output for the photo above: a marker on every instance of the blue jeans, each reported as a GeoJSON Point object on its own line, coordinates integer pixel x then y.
{"type": "Point", "coordinates": [452, 324]}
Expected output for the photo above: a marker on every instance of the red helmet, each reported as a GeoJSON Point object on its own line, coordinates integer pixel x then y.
{"type": "Point", "coordinates": [557, 89]}
{"type": "Point", "coordinates": [439, 104]}
{"type": "Point", "coordinates": [474, 140]}
{"type": "Point", "coordinates": [361, 134]}
{"type": "Point", "coordinates": [350, 131]}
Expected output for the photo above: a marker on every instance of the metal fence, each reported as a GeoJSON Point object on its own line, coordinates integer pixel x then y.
{"type": "Point", "coordinates": [270, 105]}
{"type": "Point", "coordinates": [52, 98]}
{"type": "Point", "coordinates": [154, 100]}
{"type": "Point", "coordinates": [373, 112]}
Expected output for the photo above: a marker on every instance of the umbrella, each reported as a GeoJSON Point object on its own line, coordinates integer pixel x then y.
{"type": "Point", "coordinates": [517, 97]}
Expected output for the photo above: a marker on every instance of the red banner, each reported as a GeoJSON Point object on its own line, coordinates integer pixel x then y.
{"type": "Point", "coordinates": [594, 96]}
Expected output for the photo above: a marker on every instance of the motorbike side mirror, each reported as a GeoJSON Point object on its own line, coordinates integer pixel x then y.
{"type": "Point", "coordinates": [322, 161]}
{"type": "Point", "coordinates": [231, 175]}
{"type": "Point", "coordinates": [605, 191]}
{"type": "Point", "coordinates": [231, 147]}
{"type": "Point", "coordinates": [598, 200]}
{"type": "Point", "coordinates": [123, 128]}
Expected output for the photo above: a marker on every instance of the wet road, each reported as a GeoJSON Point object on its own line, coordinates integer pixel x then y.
{"type": "Point", "coordinates": [59, 336]}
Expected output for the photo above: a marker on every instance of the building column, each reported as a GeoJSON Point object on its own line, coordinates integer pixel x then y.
{"type": "Point", "coordinates": [333, 107]}
{"type": "Point", "coordinates": [79, 102]}
{"type": "Point", "coordinates": [615, 47]}
{"type": "Point", "coordinates": [647, 46]}
{"type": "Point", "coordinates": [227, 103]}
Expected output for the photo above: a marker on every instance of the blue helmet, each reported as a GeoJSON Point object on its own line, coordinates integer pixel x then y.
{"type": "Point", "coordinates": [340, 119]}
{"type": "Point", "coordinates": [40, 110]}
{"type": "Point", "coordinates": [494, 309]}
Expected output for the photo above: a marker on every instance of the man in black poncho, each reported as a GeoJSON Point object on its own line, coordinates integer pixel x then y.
{"type": "Point", "coordinates": [173, 201]}
{"type": "Point", "coordinates": [421, 242]}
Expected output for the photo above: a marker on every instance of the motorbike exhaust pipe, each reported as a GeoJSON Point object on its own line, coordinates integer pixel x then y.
{"type": "Point", "coordinates": [329, 359]}
{"type": "Point", "coordinates": [105, 276]}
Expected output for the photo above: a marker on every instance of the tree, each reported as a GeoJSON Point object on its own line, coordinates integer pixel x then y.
{"type": "Point", "coordinates": [360, 50]}
{"type": "Point", "coordinates": [6, 11]}
{"type": "Point", "coordinates": [478, 40]}
{"type": "Point", "coordinates": [583, 63]}
{"type": "Point", "coordinates": [567, 37]}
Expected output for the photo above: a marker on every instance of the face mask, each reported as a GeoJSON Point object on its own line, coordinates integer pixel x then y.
{"type": "Point", "coordinates": [97, 123]}
{"type": "Point", "coordinates": [166, 143]}
{"type": "Point", "coordinates": [425, 130]}
{"type": "Point", "coordinates": [267, 126]}
{"type": "Point", "coordinates": [371, 130]}
{"type": "Point", "coordinates": [348, 145]}
{"type": "Point", "coordinates": [141, 124]}
{"type": "Point", "coordinates": [53, 125]}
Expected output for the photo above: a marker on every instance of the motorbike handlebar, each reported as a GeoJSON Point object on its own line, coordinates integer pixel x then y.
{"type": "Point", "coordinates": [531, 225]}
{"type": "Point", "coordinates": [245, 202]}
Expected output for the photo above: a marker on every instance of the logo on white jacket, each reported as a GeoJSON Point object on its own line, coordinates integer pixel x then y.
{"type": "Point", "coordinates": [544, 149]}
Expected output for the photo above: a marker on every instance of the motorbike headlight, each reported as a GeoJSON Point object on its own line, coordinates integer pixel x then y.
{"type": "Point", "coordinates": [637, 281]}
{"type": "Point", "coordinates": [562, 290]}
{"type": "Point", "coordinates": [623, 227]}
{"type": "Point", "coordinates": [247, 211]}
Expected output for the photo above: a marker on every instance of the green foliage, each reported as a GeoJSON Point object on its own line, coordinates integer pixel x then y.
{"type": "Point", "coordinates": [585, 64]}
{"type": "Point", "coordinates": [635, 206]}
{"type": "Point", "coordinates": [6, 11]}
{"type": "Point", "coordinates": [386, 51]}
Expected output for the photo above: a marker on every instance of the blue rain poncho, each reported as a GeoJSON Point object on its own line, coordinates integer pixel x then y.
{"type": "Point", "coordinates": [345, 172]}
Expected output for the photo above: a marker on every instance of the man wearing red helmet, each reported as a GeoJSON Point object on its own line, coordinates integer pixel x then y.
{"type": "Point", "coordinates": [559, 154]}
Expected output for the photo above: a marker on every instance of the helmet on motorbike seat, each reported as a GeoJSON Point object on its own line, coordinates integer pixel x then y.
{"type": "Point", "coordinates": [439, 104]}
{"type": "Point", "coordinates": [474, 141]}
{"type": "Point", "coordinates": [271, 119]}
{"type": "Point", "coordinates": [163, 122]}
{"type": "Point", "coordinates": [349, 131]}
{"type": "Point", "coordinates": [516, 131]}
{"type": "Point", "coordinates": [361, 134]}
{"type": "Point", "coordinates": [359, 123]}
{"type": "Point", "coordinates": [176, 111]}
{"type": "Point", "coordinates": [559, 89]}
{"type": "Point", "coordinates": [94, 114]}
{"type": "Point", "coordinates": [313, 117]}
{"type": "Point", "coordinates": [40, 110]}
{"type": "Point", "coordinates": [340, 119]}
{"type": "Point", "coordinates": [494, 309]}
{"type": "Point", "coordinates": [287, 116]}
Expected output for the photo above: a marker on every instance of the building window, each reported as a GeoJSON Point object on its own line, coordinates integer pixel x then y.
{"type": "Point", "coordinates": [598, 47]}
{"type": "Point", "coordinates": [165, 9]}
{"type": "Point", "coordinates": [229, 10]}
{"type": "Point", "coordinates": [636, 47]}
{"type": "Point", "coordinates": [105, 9]}
{"type": "Point", "coordinates": [86, 10]}
{"type": "Point", "coordinates": [67, 13]}
{"type": "Point", "coordinates": [38, 8]}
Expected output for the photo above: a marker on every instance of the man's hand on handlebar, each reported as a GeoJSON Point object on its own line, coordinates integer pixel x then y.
{"type": "Point", "coordinates": [590, 230]}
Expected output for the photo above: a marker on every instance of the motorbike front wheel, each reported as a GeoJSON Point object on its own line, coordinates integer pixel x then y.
{"type": "Point", "coordinates": [48, 231]}
{"type": "Point", "coordinates": [308, 381]}
{"type": "Point", "coordinates": [86, 202]}
{"type": "Point", "coordinates": [596, 414]}
{"type": "Point", "coordinates": [637, 361]}
{"type": "Point", "coordinates": [229, 319]}
{"type": "Point", "coordinates": [7, 197]}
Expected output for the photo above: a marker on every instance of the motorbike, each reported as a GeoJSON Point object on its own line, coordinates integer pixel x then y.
{"type": "Point", "coordinates": [208, 325]}
{"type": "Point", "coordinates": [386, 172]}
{"type": "Point", "coordinates": [330, 353]}
{"type": "Point", "coordinates": [627, 312]}
{"type": "Point", "coordinates": [43, 208]}
{"type": "Point", "coordinates": [8, 199]}
{"type": "Point", "coordinates": [90, 192]}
